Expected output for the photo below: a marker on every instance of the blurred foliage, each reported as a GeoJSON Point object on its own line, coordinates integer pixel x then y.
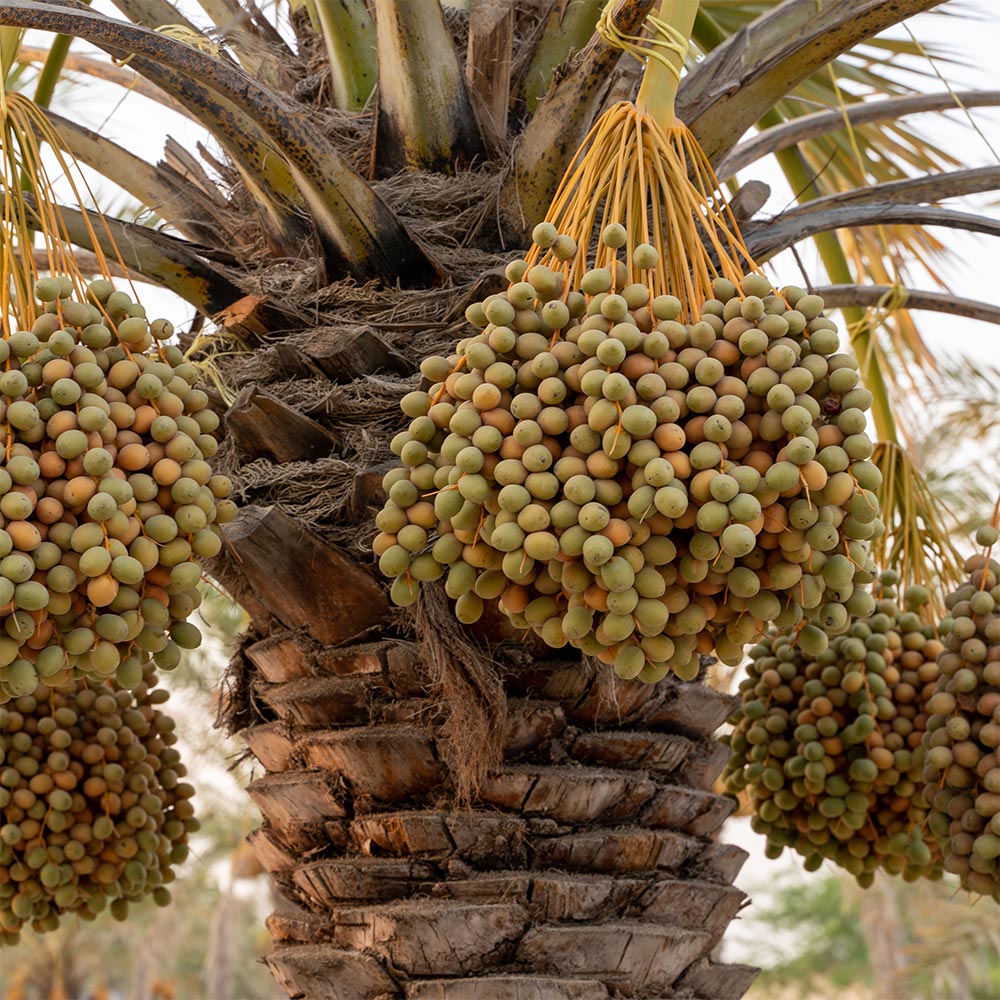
{"type": "Point", "coordinates": [967, 394]}
{"type": "Point", "coordinates": [830, 948]}
{"type": "Point", "coordinates": [950, 943]}
{"type": "Point", "coordinates": [155, 953]}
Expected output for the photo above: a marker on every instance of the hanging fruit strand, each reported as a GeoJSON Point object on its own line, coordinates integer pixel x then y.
{"type": "Point", "coordinates": [917, 542]}
{"type": "Point", "coordinates": [630, 169]}
{"type": "Point", "coordinates": [24, 127]}
{"type": "Point", "coordinates": [962, 742]}
{"type": "Point", "coordinates": [644, 450]}
{"type": "Point", "coordinates": [93, 850]}
{"type": "Point", "coordinates": [827, 747]}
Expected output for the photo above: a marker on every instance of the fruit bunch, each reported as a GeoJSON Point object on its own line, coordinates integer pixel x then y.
{"type": "Point", "coordinates": [962, 743]}
{"type": "Point", "coordinates": [107, 500]}
{"type": "Point", "coordinates": [642, 488]}
{"type": "Point", "coordinates": [828, 746]}
{"type": "Point", "coordinates": [94, 808]}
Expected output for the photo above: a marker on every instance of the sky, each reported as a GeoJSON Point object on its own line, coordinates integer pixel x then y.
{"type": "Point", "coordinates": [134, 122]}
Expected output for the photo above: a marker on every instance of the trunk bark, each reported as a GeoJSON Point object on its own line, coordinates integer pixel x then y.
{"type": "Point", "coordinates": [585, 868]}
{"type": "Point", "coordinates": [218, 971]}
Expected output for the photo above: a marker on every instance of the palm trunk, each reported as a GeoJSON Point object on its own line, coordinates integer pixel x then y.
{"type": "Point", "coordinates": [586, 865]}
{"type": "Point", "coordinates": [218, 971]}
{"type": "Point", "coordinates": [880, 918]}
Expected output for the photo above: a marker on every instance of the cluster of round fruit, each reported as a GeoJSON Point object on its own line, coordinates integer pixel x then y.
{"type": "Point", "coordinates": [962, 763]}
{"type": "Point", "coordinates": [828, 747]}
{"type": "Point", "coordinates": [107, 500]}
{"type": "Point", "coordinates": [643, 489]}
{"type": "Point", "coordinates": [94, 811]}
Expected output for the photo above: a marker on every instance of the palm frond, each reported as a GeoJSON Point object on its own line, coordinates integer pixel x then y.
{"type": "Point", "coordinates": [424, 115]}
{"type": "Point", "coordinates": [764, 240]}
{"type": "Point", "coordinates": [237, 31]}
{"type": "Point", "coordinates": [154, 13]}
{"type": "Point", "coordinates": [865, 250]}
{"type": "Point", "coordinates": [973, 390]}
{"type": "Point", "coordinates": [349, 36]}
{"type": "Point", "coordinates": [892, 254]}
{"type": "Point", "coordinates": [99, 69]}
{"type": "Point", "coordinates": [952, 946]}
{"type": "Point", "coordinates": [568, 110]}
{"type": "Point", "coordinates": [783, 49]}
{"type": "Point", "coordinates": [154, 187]}
{"type": "Point", "coordinates": [292, 169]}
{"type": "Point", "coordinates": [858, 143]}
{"type": "Point", "coordinates": [567, 29]}
{"type": "Point", "coordinates": [800, 128]}
{"type": "Point", "coordinates": [10, 46]}
{"type": "Point", "coordinates": [966, 493]}
{"type": "Point", "coordinates": [175, 264]}
{"type": "Point", "coordinates": [869, 296]}
{"type": "Point", "coordinates": [917, 541]}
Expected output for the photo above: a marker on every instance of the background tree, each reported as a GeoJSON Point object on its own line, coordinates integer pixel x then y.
{"type": "Point", "coordinates": [947, 947]}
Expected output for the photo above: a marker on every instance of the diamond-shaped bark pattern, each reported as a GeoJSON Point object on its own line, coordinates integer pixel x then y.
{"type": "Point", "coordinates": [507, 988]}
{"type": "Point", "coordinates": [421, 938]}
{"type": "Point", "coordinates": [650, 956]}
{"type": "Point", "coordinates": [585, 869]}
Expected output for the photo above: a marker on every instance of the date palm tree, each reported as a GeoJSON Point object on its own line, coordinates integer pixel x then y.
{"type": "Point", "coordinates": [442, 822]}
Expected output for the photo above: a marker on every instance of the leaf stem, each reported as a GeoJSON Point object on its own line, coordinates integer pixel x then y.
{"type": "Point", "coordinates": [10, 47]}
{"type": "Point", "coordinates": [567, 31]}
{"type": "Point", "coordinates": [49, 75]}
{"type": "Point", "coordinates": [349, 35]}
{"type": "Point", "coordinates": [658, 90]}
